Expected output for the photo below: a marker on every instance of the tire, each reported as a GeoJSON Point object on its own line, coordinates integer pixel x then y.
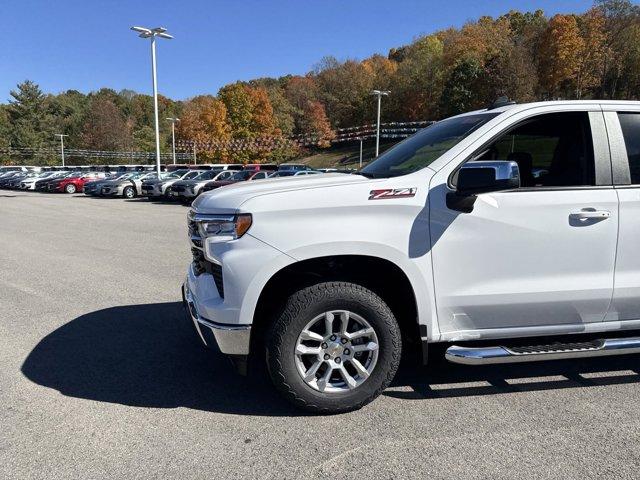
{"type": "Point", "coordinates": [128, 192]}
{"type": "Point", "coordinates": [70, 188]}
{"type": "Point", "coordinates": [325, 392]}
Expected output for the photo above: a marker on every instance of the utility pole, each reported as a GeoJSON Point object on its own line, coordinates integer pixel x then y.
{"type": "Point", "coordinates": [152, 33]}
{"type": "Point", "coordinates": [360, 152]}
{"type": "Point", "coordinates": [61, 145]}
{"type": "Point", "coordinates": [173, 121]}
{"type": "Point", "coordinates": [379, 94]}
{"type": "Point", "coordinates": [195, 159]}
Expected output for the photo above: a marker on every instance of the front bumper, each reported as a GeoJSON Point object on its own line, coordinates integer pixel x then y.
{"type": "Point", "coordinates": [229, 339]}
{"type": "Point", "coordinates": [111, 191]}
{"type": "Point", "coordinates": [152, 191]}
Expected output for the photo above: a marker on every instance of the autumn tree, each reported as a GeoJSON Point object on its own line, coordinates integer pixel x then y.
{"type": "Point", "coordinates": [204, 120]}
{"type": "Point", "coordinates": [316, 123]}
{"type": "Point", "coordinates": [559, 52]}
{"type": "Point", "coordinates": [459, 93]}
{"type": "Point", "coordinates": [419, 80]}
{"type": "Point", "coordinates": [104, 126]}
{"type": "Point", "coordinates": [345, 90]}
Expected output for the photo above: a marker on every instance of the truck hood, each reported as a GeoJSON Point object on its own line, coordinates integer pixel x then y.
{"type": "Point", "coordinates": [230, 197]}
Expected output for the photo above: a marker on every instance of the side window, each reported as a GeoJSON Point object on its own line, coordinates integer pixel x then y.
{"type": "Point", "coordinates": [551, 150]}
{"type": "Point", "coordinates": [630, 123]}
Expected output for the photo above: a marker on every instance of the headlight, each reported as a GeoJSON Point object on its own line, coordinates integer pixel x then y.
{"type": "Point", "coordinates": [223, 228]}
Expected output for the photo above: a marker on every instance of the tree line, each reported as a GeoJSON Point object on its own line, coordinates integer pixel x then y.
{"type": "Point", "coordinates": [523, 55]}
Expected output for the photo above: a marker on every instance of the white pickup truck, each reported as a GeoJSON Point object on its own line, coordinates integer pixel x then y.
{"type": "Point", "coordinates": [508, 234]}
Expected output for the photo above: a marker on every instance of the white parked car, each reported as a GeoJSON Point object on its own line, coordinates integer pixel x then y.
{"type": "Point", "coordinates": [489, 232]}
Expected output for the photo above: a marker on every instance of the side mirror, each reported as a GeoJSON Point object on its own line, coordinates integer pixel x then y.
{"type": "Point", "coordinates": [487, 176]}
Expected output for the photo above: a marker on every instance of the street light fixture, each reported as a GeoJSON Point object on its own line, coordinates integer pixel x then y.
{"type": "Point", "coordinates": [173, 121]}
{"type": "Point", "coordinates": [61, 145]}
{"type": "Point", "coordinates": [152, 33]}
{"type": "Point", "coordinates": [379, 94]}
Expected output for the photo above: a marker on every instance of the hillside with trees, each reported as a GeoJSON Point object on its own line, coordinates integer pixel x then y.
{"type": "Point", "coordinates": [524, 55]}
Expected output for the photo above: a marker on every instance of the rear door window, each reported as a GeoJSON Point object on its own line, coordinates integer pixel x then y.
{"type": "Point", "coordinates": [630, 123]}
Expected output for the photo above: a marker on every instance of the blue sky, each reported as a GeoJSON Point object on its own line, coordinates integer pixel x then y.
{"type": "Point", "coordinates": [86, 44]}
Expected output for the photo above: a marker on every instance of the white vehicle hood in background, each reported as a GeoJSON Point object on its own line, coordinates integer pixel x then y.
{"type": "Point", "coordinates": [230, 197]}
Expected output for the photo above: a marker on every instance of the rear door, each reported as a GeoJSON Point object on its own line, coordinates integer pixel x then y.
{"type": "Point", "coordinates": [530, 258]}
{"type": "Point", "coordinates": [623, 127]}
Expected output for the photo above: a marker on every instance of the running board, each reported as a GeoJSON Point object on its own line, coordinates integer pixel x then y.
{"type": "Point", "coordinates": [537, 353]}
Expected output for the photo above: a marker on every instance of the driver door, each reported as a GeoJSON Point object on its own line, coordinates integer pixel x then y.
{"type": "Point", "coordinates": [524, 258]}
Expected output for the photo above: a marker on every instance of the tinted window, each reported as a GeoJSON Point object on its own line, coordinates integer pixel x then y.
{"type": "Point", "coordinates": [630, 123]}
{"type": "Point", "coordinates": [553, 150]}
{"type": "Point", "coordinates": [245, 174]}
{"type": "Point", "coordinates": [423, 148]}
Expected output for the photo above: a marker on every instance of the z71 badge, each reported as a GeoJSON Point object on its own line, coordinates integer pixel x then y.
{"type": "Point", "coordinates": [389, 193]}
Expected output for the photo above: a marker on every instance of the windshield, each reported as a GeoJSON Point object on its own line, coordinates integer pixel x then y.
{"type": "Point", "coordinates": [208, 175]}
{"type": "Point", "coordinates": [243, 175]}
{"type": "Point", "coordinates": [423, 148]}
{"type": "Point", "coordinates": [191, 175]}
{"type": "Point", "coordinates": [173, 175]}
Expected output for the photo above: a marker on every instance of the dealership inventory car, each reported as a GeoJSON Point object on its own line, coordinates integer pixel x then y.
{"type": "Point", "coordinates": [41, 184]}
{"type": "Point", "coordinates": [160, 188]}
{"type": "Point", "coordinates": [446, 238]}
{"type": "Point", "coordinates": [292, 173]}
{"type": "Point", "coordinates": [188, 189]}
{"type": "Point", "coordinates": [123, 186]}
{"type": "Point", "coordinates": [241, 176]}
{"type": "Point", "coordinates": [93, 188]}
{"type": "Point", "coordinates": [12, 178]}
{"type": "Point", "coordinates": [30, 183]}
{"type": "Point", "coordinates": [73, 183]}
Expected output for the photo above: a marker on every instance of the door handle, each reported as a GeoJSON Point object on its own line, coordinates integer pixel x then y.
{"type": "Point", "coordinates": [591, 214]}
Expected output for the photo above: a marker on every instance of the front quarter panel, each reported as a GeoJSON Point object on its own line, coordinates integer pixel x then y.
{"type": "Point", "coordinates": [348, 220]}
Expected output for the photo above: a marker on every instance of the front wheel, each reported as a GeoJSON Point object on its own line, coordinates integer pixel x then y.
{"type": "Point", "coordinates": [334, 347]}
{"type": "Point", "coordinates": [70, 188]}
{"type": "Point", "coordinates": [128, 192]}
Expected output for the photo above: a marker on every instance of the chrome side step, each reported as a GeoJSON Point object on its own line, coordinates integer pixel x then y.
{"type": "Point", "coordinates": [537, 353]}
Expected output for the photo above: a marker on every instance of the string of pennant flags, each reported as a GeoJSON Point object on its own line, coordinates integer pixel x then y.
{"type": "Point", "coordinates": [185, 148]}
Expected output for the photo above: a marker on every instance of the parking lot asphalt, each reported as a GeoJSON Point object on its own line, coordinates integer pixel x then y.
{"type": "Point", "coordinates": [101, 377]}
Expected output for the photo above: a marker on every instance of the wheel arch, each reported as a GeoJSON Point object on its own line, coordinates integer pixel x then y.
{"type": "Point", "coordinates": [384, 277]}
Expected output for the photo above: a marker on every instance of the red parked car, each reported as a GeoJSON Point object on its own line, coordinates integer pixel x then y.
{"type": "Point", "coordinates": [74, 183]}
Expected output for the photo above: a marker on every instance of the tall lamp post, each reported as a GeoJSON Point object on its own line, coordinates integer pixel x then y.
{"type": "Point", "coordinates": [152, 33]}
{"type": "Point", "coordinates": [379, 94]}
{"type": "Point", "coordinates": [173, 121]}
{"type": "Point", "coordinates": [61, 145]}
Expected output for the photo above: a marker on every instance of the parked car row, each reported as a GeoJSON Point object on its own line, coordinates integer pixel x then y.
{"type": "Point", "coordinates": [182, 184]}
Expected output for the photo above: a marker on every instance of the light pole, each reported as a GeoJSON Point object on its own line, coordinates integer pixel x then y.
{"type": "Point", "coordinates": [379, 94]}
{"type": "Point", "coordinates": [173, 121]}
{"type": "Point", "coordinates": [61, 145]}
{"type": "Point", "coordinates": [360, 152]}
{"type": "Point", "coordinates": [152, 33]}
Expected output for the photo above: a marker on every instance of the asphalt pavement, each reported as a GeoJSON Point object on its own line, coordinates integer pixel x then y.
{"type": "Point", "coordinates": [101, 377]}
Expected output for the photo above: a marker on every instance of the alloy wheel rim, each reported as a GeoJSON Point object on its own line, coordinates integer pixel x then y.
{"type": "Point", "coordinates": [336, 351]}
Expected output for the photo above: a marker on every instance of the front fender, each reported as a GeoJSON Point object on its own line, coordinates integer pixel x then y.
{"type": "Point", "coordinates": [418, 274]}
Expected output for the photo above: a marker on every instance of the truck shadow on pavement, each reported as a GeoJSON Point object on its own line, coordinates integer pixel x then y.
{"type": "Point", "coordinates": [146, 356]}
